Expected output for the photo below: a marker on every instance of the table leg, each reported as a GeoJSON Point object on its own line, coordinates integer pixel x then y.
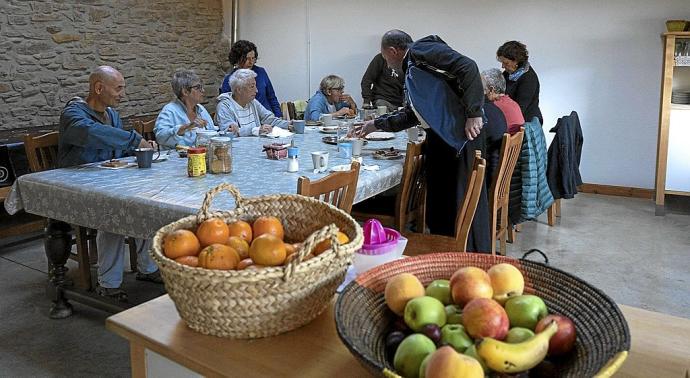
{"type": "Point", "coordinates": [58, 244]}
{"type": "Point", "coordinates": [137, 359]}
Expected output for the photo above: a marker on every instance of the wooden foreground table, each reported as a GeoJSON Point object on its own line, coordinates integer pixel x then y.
{"type": "Point", "coordinates": [162, 345]}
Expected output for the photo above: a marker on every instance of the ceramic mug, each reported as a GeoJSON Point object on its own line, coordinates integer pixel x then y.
{"type": "Point", "coordinates": [298, 125]}
{"type": "Point", "coordinates": [320, 160]}
{"type": "Point", "coordinates": [327, 119]}
{"type": "Point", "coordinates": [145, 157]}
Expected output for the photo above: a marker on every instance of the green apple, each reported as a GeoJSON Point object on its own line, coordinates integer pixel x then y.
{"type": "Point", "coordinates": [453, 314]}
{"type": "Point", "coordinates": [518, 335]}
{"type": "Point", "coordinates": [424, 310]}
{"type": "Point", "coordinates": [410, 354]}
{"type": "Point", "coordinates": [440, 289]}
{"type": "Point", "coordinates": [422, 367]}
{"type": "Point", "coordinates": [472, 352]}
{"type": "Point", "coordinates": [455, 336]}
{"type": "Point", "coordinates": [525, 311]}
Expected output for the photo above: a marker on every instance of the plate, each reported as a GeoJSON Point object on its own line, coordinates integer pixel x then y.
{"type": "Point", "coordinates": [380, 135]}
{"type": "Point", "coordinates": [341, 168]}
{"type": "Point", "coordinates": [328, 129]}
{"type": "Point", "coordinates": [313, 123]}
{"type": "Point", "coordinates": [332, 140]}
{"type": "Point", "coordinates": [117, 164]}
{"type": "Point", "coordinates": [388, 154]}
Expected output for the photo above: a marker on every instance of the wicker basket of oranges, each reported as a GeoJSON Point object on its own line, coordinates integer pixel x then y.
{"type": "Point", "coordinates": [267, 267]}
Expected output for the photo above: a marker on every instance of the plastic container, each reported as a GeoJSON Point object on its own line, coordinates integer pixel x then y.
{"type": "Point", "coordinates": [196, 162]}
{"type": "Point", "coordinates": [381, 245]}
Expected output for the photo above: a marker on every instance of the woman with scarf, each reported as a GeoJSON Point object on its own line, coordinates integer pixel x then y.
{"type": "Point", "coordinates": [522, 83]}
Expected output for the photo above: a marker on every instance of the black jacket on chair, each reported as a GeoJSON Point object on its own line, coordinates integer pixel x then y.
{"type": "Point", "coordinates": [565, 151]}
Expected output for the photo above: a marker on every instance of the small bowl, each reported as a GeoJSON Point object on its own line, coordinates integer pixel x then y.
{"type": "Point", "coordinates": [675, 25]}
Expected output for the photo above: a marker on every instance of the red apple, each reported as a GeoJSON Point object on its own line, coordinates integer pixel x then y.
{"type": "Point", "coordinates": [484, 317]}
{"type": "Point", "coordinates": [469, 283]}
{"type": "Point", "coordinates": [564, 339]}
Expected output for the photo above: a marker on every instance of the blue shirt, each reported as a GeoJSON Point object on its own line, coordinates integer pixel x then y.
{"type": "Point", "coordinates": [86, 138]}
{"type": "Point", "coordinates": [265, 93]}
{"type": "Point", "coordinates": [318, 104]}
{"type": "Point", "coordinates": [171, 118]}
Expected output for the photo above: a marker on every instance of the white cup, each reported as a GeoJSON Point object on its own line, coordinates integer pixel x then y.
{"type": "Point", "coordinates": [381, 110]}
{"type": "Point", "coordinates": [320, 160]}
{"type": "Point", "coordinates": [327, 119]}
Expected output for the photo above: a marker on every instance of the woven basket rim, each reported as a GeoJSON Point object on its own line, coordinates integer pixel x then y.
{"type": "Point", "coordinates": [375, 366]}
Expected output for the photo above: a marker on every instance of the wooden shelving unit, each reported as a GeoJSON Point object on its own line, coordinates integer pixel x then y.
{"type": "Point", "coordinates": [669, 40]}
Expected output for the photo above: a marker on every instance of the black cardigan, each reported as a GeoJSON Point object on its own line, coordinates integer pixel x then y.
{"type": "Point", "coordinates": [525, 91]}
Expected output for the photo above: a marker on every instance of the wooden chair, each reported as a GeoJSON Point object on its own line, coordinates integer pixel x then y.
{"type": "Point", "coordinates": [338, 188]}
{"type": "Point", "coordinates": [41, 152]}
{"type": "Point", "coordinates": [410, 201]}
{"type": "Point", "coordinates": [418, 242]}
{"type": "Point", "coordinates": [500, 187]}
{"type": "Point", "coordinates": [286, 113]}
{"type": "Point", "coordinates": [292, 112]}
{"type": "Point", "coordinates": [145, 129]}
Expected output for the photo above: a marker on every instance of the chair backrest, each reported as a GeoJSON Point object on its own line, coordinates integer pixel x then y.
{"type": "Point", "coordinates": [145, 129]}
{"type": "Point", "coordinates": [292, 110]}
{"type": "Point", "coordinates": [42, 151]}
{"type": "Point", "coordinates": [412, 191]}
{"type": "Point", "coordinates": [463, 220]}
{"type": "Point", "coordinates": [510, 152]}
{"type": "Point", "coordinates": [338, 188]}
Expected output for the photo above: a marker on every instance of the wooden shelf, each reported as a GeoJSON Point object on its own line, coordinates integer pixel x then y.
{"type": "Point", "coordinates": [677, 34]}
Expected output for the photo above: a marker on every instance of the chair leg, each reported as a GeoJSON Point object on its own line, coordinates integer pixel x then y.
{"type": "Point", "coordinates": [551, 214]}
{"type": "Point", "coordinates": [504, 230]}
{"type": "Point", "coordinates": [511, 233]}
{"type": "Point", "coordinates": [132, 254]}
{"type": "Point", "coordinates": [494, 231]}
{"type": "Point", "coordinates": [84, 279]}
{"type": "Point", "coordinates": [558, 207]}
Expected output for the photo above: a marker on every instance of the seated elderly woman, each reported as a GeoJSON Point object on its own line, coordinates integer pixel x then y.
{"type": "Point", "coordinates": [177, 122]}
{"type": "Point", "coordinates": [495, 89]}
{"type": "Point", "coordinates": [330, 99]}
{"type": "Point", "coordinates": [240, 112]}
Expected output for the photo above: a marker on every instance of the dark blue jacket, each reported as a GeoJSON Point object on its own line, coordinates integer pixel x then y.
{"type": "Point", "coordinates": [265, 93]}
{"type": "Point", "coordinates": [565, 151]}
{"type": "Point", "coordinates": [85, 139]}
{"type": "Point", "coordinates": [445, 89]}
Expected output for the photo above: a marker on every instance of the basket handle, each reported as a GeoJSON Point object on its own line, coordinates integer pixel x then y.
{"type": "Point", "coordinates": [204, 213]}
{"type": "Point", "coordinates": [330, 231]}
{"type": "Point", "coordinates": [533, 250]}
{"type": "Point", "coordinates": [613, 365]}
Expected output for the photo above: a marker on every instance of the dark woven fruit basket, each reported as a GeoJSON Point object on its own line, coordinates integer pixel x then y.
{"type": "Point", "coordinates": [363, 319]}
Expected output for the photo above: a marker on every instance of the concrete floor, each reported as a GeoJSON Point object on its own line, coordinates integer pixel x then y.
{"type": "Point", "coordinates": [614, 243]}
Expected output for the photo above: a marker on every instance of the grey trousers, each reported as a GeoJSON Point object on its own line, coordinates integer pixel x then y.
{"type": "Point", "coordinates": [111, 258]}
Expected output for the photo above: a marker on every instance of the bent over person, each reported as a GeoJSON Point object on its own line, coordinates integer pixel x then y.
{"type": "Point", "coordinates": [91, 131]}
{"type": "Point", "coordinates": [444, 94]}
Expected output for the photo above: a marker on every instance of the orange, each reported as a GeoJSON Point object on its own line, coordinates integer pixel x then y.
{"type": "Point", "coordinates": [212, 231]}
{"type": "Point", "coordinates": [181, 243]}
{"type": "Point", "coordinates": [240, 245]}
{"type": "Point", "coordinates": [241, 229]}
{"type": "Point", "coordinates": [268, 225]}
{"type": "Point", "coordinates": [267, 250]}
{"type": "Point", "coordinates": [326, 244]}
{"type": "Point", "coordinates": [290, 249]}
{"type": "Point", "coordinates": [244, 264]}
{"type": "Point", "coordinates": [192, 261]}
{"type": "Point", "coordinates": [218, 256]}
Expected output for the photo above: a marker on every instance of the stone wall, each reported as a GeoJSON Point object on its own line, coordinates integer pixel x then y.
{"type": "Point", "coordinates": [47, 49]}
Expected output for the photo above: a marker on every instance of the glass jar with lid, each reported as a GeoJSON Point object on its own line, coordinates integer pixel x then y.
{"type": "Point", "coordinates": [220, 155]}
{"type": "Point", "coordinates": [203, 137]}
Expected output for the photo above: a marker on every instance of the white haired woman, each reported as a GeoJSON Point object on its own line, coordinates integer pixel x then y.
{"type": "Point", "coordinates": [240, 112]}
{"type": "Point", "coordinates": [330, 99]}
{"type": "Point", "coordinates": [495, 91]}
{"type": "Point", "coordinates": [177, 122]}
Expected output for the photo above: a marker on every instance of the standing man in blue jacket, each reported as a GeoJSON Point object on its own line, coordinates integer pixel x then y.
{"type": "Point", "coordinates": [444, 94]}
{"type": "Point", "coordinates": [90, 131]}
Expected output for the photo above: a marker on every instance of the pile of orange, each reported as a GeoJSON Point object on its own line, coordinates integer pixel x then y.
{"type": "Point", "coordinates": [237, 245]}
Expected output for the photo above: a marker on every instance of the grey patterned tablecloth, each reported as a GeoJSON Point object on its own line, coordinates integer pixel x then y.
{"type": "Point", "coordinates": [137, 202]}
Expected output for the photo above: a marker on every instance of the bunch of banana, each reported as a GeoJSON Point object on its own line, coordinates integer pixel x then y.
{"type": "Point", "coordinates": [513, 358]}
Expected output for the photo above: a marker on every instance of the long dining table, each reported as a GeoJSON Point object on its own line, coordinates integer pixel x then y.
{"type": "Point", "coordinates": [137, 202]}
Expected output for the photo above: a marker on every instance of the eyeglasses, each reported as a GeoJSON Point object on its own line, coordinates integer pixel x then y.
{"type": "Point", "coordinates": [339, 89]}
{"type": "Point", "coordinates": [199, 87]}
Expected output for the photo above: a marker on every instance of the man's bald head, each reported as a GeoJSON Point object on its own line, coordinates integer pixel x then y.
{"type": "Point", "coordinates": [106, 85]}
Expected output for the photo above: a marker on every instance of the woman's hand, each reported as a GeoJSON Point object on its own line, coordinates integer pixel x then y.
{"type": "Point", "coordinates": [234, 129]}
{"type": "Point", "coordinates": [473, 126]}
{"type": "Point", "coordinates": [363, 130]}
{"type": "Point", "coordinates": [342, 112]}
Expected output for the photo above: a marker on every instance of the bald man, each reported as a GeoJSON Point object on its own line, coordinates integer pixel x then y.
{"type": "Point", "coordinates": [91, 131]}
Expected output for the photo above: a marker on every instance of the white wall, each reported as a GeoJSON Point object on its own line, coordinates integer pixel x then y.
{"type": "Point", "coordinates": [600, 58]}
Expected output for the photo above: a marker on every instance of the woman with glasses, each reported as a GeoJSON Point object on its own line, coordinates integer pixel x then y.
{"type": "Point", "coordinates": [522, 83]}
{"type": "Point", "coordinates": [243, 54]}
{"type": "Point", "coordinates": [330, 99]}
{"type": "Point", "coordinates": [177, 122]}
